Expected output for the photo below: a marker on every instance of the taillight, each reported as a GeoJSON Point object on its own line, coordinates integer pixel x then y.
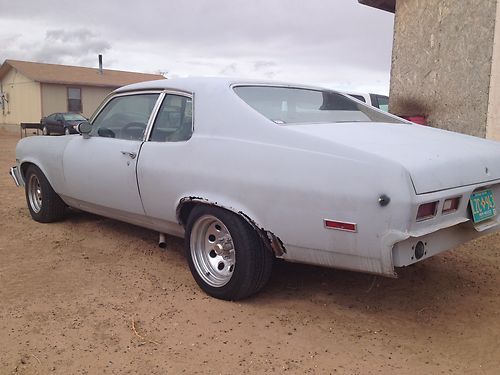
{"type": "Point", "coordinates": [451, 205]}
{"type": "Point", "coordinates": [426, 211]}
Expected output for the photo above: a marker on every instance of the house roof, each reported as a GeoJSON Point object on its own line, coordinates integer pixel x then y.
{"type": "Point", "coordinates": [75, 75]}
{"type": "Point", "coordinates": [388, 5]}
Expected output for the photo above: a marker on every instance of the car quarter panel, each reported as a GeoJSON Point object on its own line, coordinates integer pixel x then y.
{"type": "Point", "coordinates": [286, 182]}
{"type": "Point", "coordinates": [287, 191]}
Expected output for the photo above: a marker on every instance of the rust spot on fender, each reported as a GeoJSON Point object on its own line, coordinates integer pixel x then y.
{"type": "Point", "coordinates": [270, 240]}
{"type": "Point", "coordinates": [276, 244]}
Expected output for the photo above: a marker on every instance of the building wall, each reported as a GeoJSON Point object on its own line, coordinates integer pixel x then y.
{"type": "Point", "coordinates": [55, 98]}
{"type": "Point", "coordinates": [441, 64]}
{"type": "Point", "coordinates": [92, 97]}
{"type": "Point", "coordinates": [493, 127]}
{"type": "Point", "coordinates": [23, 99]}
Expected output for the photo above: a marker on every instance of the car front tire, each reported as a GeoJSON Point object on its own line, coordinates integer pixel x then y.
{"type": "Point", "coordinates": [44, 204]}
{"type": "Point", "coordinates": [66, 131]}
{"type": "Point", "coordinates": [225, 254]}
{"type": "Point", "coordinates": [45, 131]}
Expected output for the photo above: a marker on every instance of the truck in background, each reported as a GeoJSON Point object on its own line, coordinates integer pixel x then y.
{"type": "Point", "coordinates": [375, 100]}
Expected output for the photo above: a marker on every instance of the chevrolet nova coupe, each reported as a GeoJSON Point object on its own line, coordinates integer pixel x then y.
{"type": "Point", "coordinates": [252, 171]}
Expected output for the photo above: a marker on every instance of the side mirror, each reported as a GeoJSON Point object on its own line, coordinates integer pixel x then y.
{"type": "Point", "coordinates": [84, 128]}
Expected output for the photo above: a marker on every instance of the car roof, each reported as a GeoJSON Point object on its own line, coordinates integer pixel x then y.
{"type": "Point", "coordinates": [193, 84]}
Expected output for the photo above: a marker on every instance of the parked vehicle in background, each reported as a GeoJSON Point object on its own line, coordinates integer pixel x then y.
{"type": "Point", "coordinates": [249, 171]}
{"type": "Point", "coordinates": [375, 100]}
{"type": "Point", "coordinates": [61, 123]}
{"type": "Point", "coordinates": [382, 102]}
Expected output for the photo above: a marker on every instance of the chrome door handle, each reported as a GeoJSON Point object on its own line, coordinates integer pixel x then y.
{"type": "Point", "coordinates": [132, 155]}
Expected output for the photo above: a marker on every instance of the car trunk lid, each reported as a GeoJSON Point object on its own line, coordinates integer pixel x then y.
{"type": "Point", "coordinates": [435, 159]}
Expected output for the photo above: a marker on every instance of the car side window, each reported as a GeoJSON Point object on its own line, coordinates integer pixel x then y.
{"type": "Point", "coordinates": [174, 122]}
{"type": "Point", "coordinates": [125, 117]}
{"type": "Point", "coordinates": [51, 117]}
{"type": "Point", "coordinates": [59, 117]}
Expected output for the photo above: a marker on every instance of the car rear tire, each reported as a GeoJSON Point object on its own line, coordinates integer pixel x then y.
{"type": "Point", "coordinates": [45, 131]}
{"type": "Point", "coordinates": [44, 204]}
{"type": "Point", "coordinates": [225, 254]}
{"type": "Point", "coordinates": [66, 131]}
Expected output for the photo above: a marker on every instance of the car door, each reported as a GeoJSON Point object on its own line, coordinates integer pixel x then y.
{"type": "Point", "coordinates": [58, 124]}
{"type": "Point", "coordinates": [100, 171]}
{"type": "Point", "coordinates": [50, 122]}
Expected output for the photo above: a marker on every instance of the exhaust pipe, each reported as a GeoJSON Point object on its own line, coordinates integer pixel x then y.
{"type": "Point", "coordinates": [162, 242]}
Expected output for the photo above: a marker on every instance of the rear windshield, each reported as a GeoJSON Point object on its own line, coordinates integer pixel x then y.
{"type": "Point", "coordinates": [289, 105]}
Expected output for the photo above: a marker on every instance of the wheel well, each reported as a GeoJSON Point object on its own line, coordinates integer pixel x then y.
{"type": "Point", "coordinates": [184, 210]}
{"type": "Point", "coordinates": [186, 205]}
{"type": "Point", "coordinates": [270, 240]}
{"type": "Point", "coordinates": [24, 168]}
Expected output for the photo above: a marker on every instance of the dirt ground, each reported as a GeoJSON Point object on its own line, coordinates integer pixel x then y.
{"type": "Point", "coordinates": [95, 296]}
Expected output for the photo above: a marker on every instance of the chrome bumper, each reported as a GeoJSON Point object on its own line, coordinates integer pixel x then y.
{"type": "Point", "coordinates": [16, 176]}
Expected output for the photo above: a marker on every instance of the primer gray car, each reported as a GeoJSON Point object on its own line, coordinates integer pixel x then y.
{"type": "Point", "coordinates": [253, 171]}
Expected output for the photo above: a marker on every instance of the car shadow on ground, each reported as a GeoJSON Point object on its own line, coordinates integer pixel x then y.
{"type": "Point", "coordinates": [429, 287]}
{"type": "Point", "coordinates": [435, 289]}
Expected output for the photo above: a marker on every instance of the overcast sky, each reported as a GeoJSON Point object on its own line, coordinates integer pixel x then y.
{"type": "Point", "coordinates": [333, 43]}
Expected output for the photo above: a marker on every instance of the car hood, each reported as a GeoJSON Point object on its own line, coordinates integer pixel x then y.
{"type": "Point", "coordinates": [435, 159]}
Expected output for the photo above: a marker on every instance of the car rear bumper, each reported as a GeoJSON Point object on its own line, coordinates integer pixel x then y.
{"type": "Point", "coordinates": [16, 176]}
{"type": "Point", "coordinates": [415, 249]}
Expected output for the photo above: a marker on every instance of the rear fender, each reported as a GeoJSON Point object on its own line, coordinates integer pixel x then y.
{"type": "Point", "coordinates": [269, 239]}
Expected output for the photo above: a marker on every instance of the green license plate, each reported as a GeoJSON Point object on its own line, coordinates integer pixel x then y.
{"type": "Point", "coordinates": [482, 205]}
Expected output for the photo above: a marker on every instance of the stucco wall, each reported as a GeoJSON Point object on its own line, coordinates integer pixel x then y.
{"type": "Point", "coordinates": [55, 98]}
{"type": "Point", "coordinates": [92, 97]}
{"type": "Point", "coordinates": [23, 99]}
{"type": "Point", "coordinates": [442, 62]}
{"type": "Point", "coordinates": [493, 128]}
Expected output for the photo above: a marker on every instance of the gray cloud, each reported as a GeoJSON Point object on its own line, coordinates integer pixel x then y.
{"type": "Point", "coordinates": [229, 70]}
{"type": "Point", "coordinates": [261, 64]}
{"type": "Point", "coordinates": [333, 42]}
{"type": "Point", "coordinates": [61, 46]}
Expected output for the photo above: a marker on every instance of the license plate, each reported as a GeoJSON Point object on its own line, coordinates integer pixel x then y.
{"type": "Point", "coordinates": [482, 205]}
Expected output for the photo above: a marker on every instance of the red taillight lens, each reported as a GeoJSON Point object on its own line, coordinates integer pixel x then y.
{"type": "Point", "coordinates": [450, 205]}
{"type": "Point", "coordinates": [426, 211]}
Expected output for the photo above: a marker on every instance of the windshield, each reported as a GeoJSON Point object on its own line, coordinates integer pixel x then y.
{"type": "Point", "coordinates": [74, 117]}
{"type": "Point", "coordinates": [290, 105]}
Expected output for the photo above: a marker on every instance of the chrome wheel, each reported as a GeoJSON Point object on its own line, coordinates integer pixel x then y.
{"type": "Point", "coordinates": [44, 205]}
{"type": "Point", "coordinates": [212, 251]}
{"type": "Point", "coordinates": [35, 193]}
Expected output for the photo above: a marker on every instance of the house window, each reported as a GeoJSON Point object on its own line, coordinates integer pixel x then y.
{"type": "Point", "coordinates": [74, 99]}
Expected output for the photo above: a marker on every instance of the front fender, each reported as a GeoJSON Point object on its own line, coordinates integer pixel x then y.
{"type": "Point", "coordinates": [46, 153]}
